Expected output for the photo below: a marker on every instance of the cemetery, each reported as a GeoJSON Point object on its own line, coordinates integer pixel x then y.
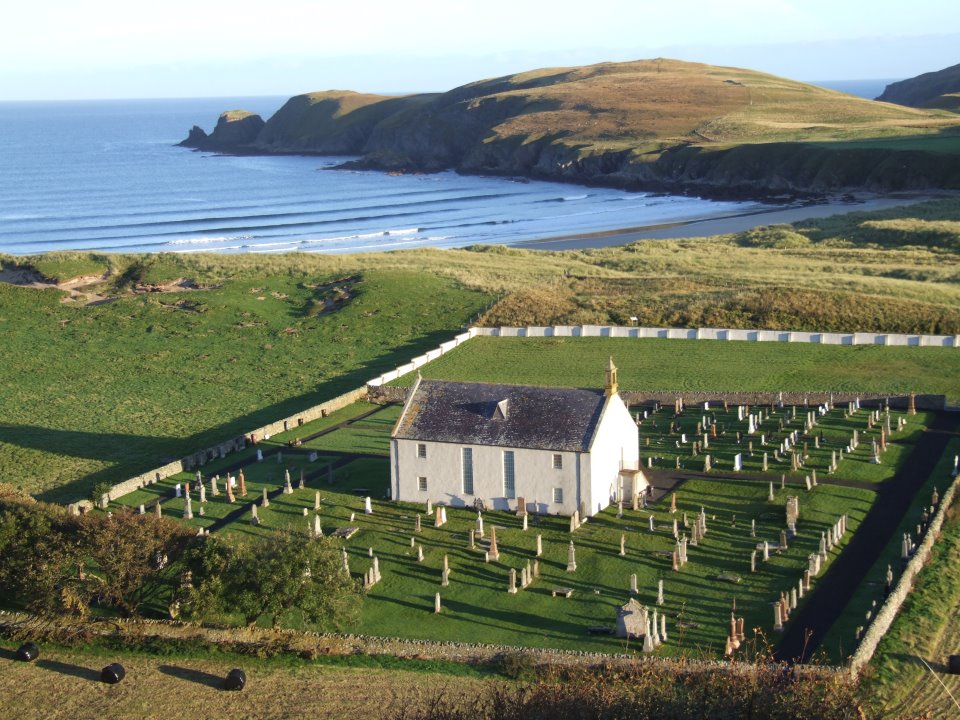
{"type": "Point", "coordinates": [749, 509]}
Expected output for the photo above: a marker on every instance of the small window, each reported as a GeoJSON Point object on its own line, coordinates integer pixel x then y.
{"type": "Point", "coordinates": [558, 496]}
{"type": "Point", "coordinates": [468, 471]}
{"type": "Point", "coordinates": [422, 484]}
{"type": "Point", "coordinates": [509, 478]}
{"type": "Point", "coordinates": [421, 450]}
{"type": "Point", "coordinates": [557, 461]}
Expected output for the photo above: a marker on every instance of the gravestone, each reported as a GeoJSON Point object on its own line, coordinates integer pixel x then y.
{"type": "Point", "coordinates": [571, 558]}
{"type": "Point", "coordinates": [494, 552]}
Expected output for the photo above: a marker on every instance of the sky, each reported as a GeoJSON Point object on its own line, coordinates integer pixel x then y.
{"type": "Point", "coordinates": [65, 49]}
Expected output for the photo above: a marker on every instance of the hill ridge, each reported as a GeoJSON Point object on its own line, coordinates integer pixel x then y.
{"type": "Point", "coordinates": [657, 124]}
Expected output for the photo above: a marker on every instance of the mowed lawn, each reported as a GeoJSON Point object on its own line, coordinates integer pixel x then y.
{"type": "Point", "coordinates": [655, 364]}
{"type": "Point", "coordinates": [476, 604]}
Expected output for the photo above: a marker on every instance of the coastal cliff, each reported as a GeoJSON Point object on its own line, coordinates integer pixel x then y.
{"type": "Point", "coordinates": [235, 129]}
{"type": "Point", "coordinates": [940, 89]}
{"type": "Point", "coordinates": [657, 125]}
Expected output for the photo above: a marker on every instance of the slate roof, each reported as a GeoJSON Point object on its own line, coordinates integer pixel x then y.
{"type": "Point", "coordinates": [543, 418]}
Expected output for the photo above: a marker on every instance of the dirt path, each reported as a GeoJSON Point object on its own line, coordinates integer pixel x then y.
{"type": "Point", "coordinates": [815, 617]}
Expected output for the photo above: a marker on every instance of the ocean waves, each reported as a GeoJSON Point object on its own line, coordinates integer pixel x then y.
{"type": "Point", "coordinates": [128, 190]}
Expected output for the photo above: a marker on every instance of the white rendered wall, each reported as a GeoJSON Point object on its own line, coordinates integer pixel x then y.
{"type": "Point", "coordinates": [616, 438]}
{"type": "Point", "coordinates": [443, 467]}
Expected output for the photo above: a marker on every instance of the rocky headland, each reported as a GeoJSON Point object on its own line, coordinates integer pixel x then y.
{"type": "Point", "coordinates": [661, 125]}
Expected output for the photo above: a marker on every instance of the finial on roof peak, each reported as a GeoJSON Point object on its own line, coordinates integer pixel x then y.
{"type": "Point", "coordinates": [610, 384]}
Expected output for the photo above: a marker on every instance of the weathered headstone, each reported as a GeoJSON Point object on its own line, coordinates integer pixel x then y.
{"type": "Point", "coordinates": [571, 558]}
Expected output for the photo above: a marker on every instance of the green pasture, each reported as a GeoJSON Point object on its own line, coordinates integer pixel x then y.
{"type": "Point", "coordinates": [659, 364]}
{"type": "Point", "coordinates": [101, 393]}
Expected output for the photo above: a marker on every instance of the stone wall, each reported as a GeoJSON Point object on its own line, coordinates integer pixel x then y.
{"type": "Point", "coordinates": [695, 398]}
{"type": "Point", "coordinates": [888, 612]}
{"type": "Point", "coordinates": [422, 360]}
{"type": "Point", "coordinates": [134, 632]}
{"type": "Point", "coordinates": [821, 338]}
{"type": "Point", "coordinates": [201, 457]}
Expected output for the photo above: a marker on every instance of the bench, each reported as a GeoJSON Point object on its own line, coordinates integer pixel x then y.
{"type": "Point", "coordinates": [563, 591]}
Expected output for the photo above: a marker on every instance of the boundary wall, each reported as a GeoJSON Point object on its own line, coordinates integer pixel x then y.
{"type": "Point", "coordinates": [817, 338]}
{"type": "Point", "coordinates": [888, 611]}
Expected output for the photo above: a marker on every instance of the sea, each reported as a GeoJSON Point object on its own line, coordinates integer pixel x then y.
{"type": "Point", "coordinates": [107, 176]}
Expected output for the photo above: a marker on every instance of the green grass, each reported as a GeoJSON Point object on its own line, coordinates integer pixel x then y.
{"type": "Point", "coordinates": [104, 392]}
{"type": "Point", "coordinates": [708, 365]}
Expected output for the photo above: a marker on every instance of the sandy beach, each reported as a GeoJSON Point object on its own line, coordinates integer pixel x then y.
{"type": "Point", "coordinates": [722, 224]}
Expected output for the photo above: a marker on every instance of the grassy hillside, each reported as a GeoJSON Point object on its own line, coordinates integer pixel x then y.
{"type": "Point", "coordinates": [619, 105]}
{"type": "Point", "coordinates": [103, 391]}
{"type": "Point", "coordinates": [336, 122]}
{"type": "Point", "coordinates": [183, 350]}
{"type": "Point", "coordinates": [660, 124]}
{"type": "Point", "coordinates": [940, 89]}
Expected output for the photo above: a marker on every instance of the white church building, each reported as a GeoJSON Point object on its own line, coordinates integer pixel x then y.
{"type": "Point", "coordinates": [558, 450]}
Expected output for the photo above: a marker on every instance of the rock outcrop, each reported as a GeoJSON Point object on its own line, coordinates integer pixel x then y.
{"type": "Point", "coordinates": [235, 130]}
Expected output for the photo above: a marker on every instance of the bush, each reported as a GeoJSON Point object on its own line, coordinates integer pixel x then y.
{"type": "Point", "coordinates": [661, 691]}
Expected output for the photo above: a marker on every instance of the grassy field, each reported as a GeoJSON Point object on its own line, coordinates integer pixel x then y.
{"type": "Point", "coordinates": [101, 392]}
{"type": "Point", "coordinates": [64, 685]}
{"type": "Point", "coordinates": [654, 364]}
